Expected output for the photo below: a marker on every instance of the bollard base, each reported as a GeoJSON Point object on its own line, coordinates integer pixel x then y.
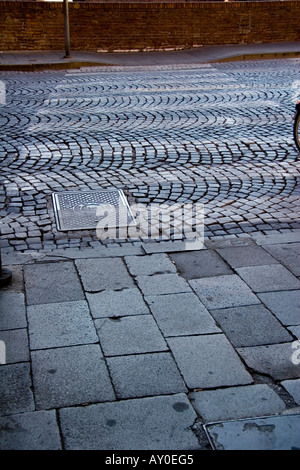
{"type": "Point", "coordinates": [5, 278]}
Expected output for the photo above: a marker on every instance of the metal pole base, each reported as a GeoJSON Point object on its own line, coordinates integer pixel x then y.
{"type": "Point", "coordinates": [5, 278]}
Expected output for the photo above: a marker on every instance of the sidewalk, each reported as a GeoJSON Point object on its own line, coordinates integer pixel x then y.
{"type": "Point", "coordinates": [30, 61]}
{"type": "Point", "coordinates": [152, 346]}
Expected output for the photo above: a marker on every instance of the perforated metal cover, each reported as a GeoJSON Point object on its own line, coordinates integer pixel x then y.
{"type": "Point", "coordinates": [83, 210]}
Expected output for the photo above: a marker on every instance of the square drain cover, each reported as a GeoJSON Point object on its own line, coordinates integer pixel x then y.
{"type": "Point", "coordinates": [83, 210]}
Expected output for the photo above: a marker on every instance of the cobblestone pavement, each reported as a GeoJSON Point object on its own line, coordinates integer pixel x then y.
{"type": "Point", "coordinates": [219, 134]}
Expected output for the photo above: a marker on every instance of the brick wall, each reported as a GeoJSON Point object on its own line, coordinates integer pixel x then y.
{"type": "Point", "coordinates": [115, 26]}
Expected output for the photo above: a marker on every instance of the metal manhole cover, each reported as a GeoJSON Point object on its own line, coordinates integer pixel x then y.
{"type": "Point", "coordinates": [83, 210]}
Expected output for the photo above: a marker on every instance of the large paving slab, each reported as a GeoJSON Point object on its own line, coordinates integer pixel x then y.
{"type": "Point", "coordinates": [70, 376]}
{"type": "Point", "coordinates": [252, 325]}
{"type": "Point", "coordinates": [202, 263]}
{"type": "Point", "coordinates": [110, 303]}
{"type": "Point", "coordinates": [288, 254]}
{"type": "Point", "coordinates": [293, 387]}
{"type": "Point", "coordinates": [16, 345]}
{"type": "Point", "coordinates": [208, 361]}
{"type": "Point", "coordinates": [145, 375]}
{"type": "Point", "coordinates": [269, 278]}
{"type": "Point", "coordinates": [284, 304]}
{"type": "Point", "coordinates": [270, 433]}
{"type": "Point", "coordinates": [129, 335]}
{"type": "Point", "coordinates": [236, 402]}
{"type": "Point", "coordinates": [15, 389]}
{"type": "Point", "coordinates": [158, 263]}
{"type": "Point", "coordinates": [12, 310]}
{"type": "Point", "coordinates": [162, 284]}
{"type": "Point", "coordinates": [60, 324]}
{"type": "Point", "coordinates": [252, 255]}
{"type": "Point", "coordinates": [36, 430]}
{"type": "Point", "coordinates": [223, 291]}
{"type": "Point", "coordinates": [181, 314]}
{"type": "Point", "coordinates": [103, 273]}
{"type": "Point", "coordinates": [274, 360]}
{"type": "Point", "coordinates": [52, 282]}
{"type": "Point", "coordinates": [154, 423]}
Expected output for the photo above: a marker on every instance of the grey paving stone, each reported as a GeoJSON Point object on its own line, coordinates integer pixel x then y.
{"type": "Point", "coordinates": [129, 335]}
{"type": "Point", "coordinates": [236, 402]}
{"type": "Point", "coordinates": [16, 345]}
{"type": "Point", "coordinates": [271, 433]}
{"type": "Point", "coordinates": [276, 238]}
{"type": "Point", "coordinates": [268, 278]}
{"type": "Point", "coordinates": [70, 376]}
{"type": "Point", "coordinates": [15, 389]}
{"type": "Point", "coordinates": [293, 387]}
{"type": "Point", "coordinates": [162, 422]}
{"type": "Point", "coordinates": [52, 282]}
{"type": "Point", "coordinates": [111, 303]}
{"type": "Point", "coordinates": [252, 325]}
{"type": "Point", "coordinates": [162, 284]}
{"type": "Point", "coordinates": [246, 256]}
{"type": "Point", "coordinates": [274, 360]}
{"type": "Point", "coordinates": [288, 254]}
{"type": "Point", "coordinates": [103, 273]}
{"type": "Point", "coordinates": [30, 431]}
{"type": "Point", "coordinates": [295, 330]}
{"type": "Point", "coordinates": [12, 310]}
{"type": "Point", "coordinates": [208, 361]}
{"type": "Point", "coordinates": [145, 375]}
{"type": "Point", "coordinates": [158, 263]}
{"type": "Point", "coordinates": [202, 263]}
{"type": "Point", "coordinates": [223, 291]}
{"type": "Point", "coordinates": [181, 314]}
{"type": "Point", "coordinates": [60, 324]}
{"type": "Point", "coordinates": [284, 304]}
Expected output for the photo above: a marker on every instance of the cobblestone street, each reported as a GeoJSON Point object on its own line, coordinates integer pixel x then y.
{"type": "Point", "coordinates": [219, 134]}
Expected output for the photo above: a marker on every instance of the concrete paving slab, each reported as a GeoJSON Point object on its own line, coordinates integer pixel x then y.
{"type": "Point", "coordinates": [181, 314]}
{"type": "Point", "coordinates": [246, 256]}
{"type": "Point", "coordinates": [15, 389]}
{"type": "Point", "coordinates": [162, 284]}
{"type": "Point", "coordinates": [236, 402]}
{"type": "Point", "coordinates": [268, 278]}
{"type": "Point", "coordinates": [12, 310]}
{"type": "Point", "coordinates": [223, 291]}
{"type": "Point", "coordinates": [203, 263]}
{"type": "Point", "coordinates": [284, 304]}
{"type": "Point", "coordinates": [109, 303]}
{"type": "Point", "coordinates": [288, 254]}
{"type": "Point", "coordinates": [208, 361]}
{"type": "Point", "coordinates": [60, 324]}
{"type": "Point", "coordinates": [56, 372]}
{"type": "Point", "coordinates": [270, 433]}
{"type": "Point", "coordinates": [144, 375]}
{"type": "Point", "coordinates": [103, 273]}
{"type": "Point", "coordinates": [51, 282]}
{"type": "Point", "coordinates": [250, 326]}
{"type": "Point", "coordinates": [16, 345]}
{"type": "Point", "coordinates": [154, 423]}
{"type": "Point", "coordinates": [37, 430]}
{"type": "Point", "coordinates": [158, 263]}
{"type": "Point", "coordinates": [293, 388]}
{"type": "Point", "coordinates": [129, 335]}
{"type": "Point", "coordinates": [274, 360]}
